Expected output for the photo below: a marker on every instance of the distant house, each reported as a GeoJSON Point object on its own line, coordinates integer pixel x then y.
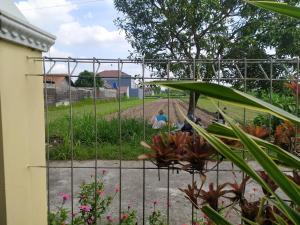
{"type": "Point", "coordinates": [58, 90]}
{"type": "Point", "coordinates": [125, 83]}
{"type": "Point", "coordinates": [60, 81]}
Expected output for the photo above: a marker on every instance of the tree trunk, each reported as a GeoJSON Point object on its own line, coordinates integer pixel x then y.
{"type": "Point", "coordinates": [193, 102]}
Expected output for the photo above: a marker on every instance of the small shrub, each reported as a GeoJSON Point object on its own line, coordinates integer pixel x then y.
{"type": "Point", "coordinates": [93, 203]}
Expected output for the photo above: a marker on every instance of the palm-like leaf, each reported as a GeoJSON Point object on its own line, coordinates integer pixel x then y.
{"type": "Point", "coordinates": [230, 96]}
{"type": "Point", "coordinates": [278, 7]}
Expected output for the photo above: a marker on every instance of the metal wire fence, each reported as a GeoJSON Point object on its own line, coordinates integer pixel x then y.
{"type": "Point", "coordinates": [245, 74]}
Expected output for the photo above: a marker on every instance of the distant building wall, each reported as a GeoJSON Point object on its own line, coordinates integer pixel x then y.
{"type": "Point", "coordinates": [124, 81]}
{"type": "Point", "coordinates": [60, 96]}
{"type": "Point", "coordinates": [103, 93]}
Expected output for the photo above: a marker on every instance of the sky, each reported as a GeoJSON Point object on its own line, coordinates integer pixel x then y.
{"type": "Point", "coordinates": [83, 28]}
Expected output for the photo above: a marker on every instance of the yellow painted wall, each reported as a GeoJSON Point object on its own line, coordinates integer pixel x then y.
{"type": "Point", "coordinates": [22, 137]}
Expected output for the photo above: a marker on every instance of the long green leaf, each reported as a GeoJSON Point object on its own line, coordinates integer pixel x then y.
{"type": "Point", "coordinates": [231, 96]}
{"type": "Point", "coordinates": [278, 7]}
{"type": "Point", "coordinates": [242, 164]}
{"type": "Point", "coordinates": [215, 216]}
{"type": "Point", "coordinates": [283, 157]}
{"type": "Point", "coordinates": [287, 185]}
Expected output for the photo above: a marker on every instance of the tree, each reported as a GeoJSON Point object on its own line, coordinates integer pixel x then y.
{"type": "Point", "coordinates": [86, 79]}
{"type": "Point", "coordinates": [172, 29]}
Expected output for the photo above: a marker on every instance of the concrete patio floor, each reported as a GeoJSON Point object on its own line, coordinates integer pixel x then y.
{"type": "Point", "coordinates": [132, 186]}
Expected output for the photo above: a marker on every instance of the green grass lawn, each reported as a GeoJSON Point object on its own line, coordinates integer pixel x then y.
{"type": "Point", "coordinates": [107, 131]}
{"type": "Point", "coordinates": [107, 134]}
{"type": "Point", "coordinates": [235, 112]}
{"type": "Point", "coordinates": [103, 107]}
{"type": "Point", "coordinates": [105, 151]}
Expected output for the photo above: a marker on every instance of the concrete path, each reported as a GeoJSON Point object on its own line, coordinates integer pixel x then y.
{"type": "Point", "coordinates": [132, 185]}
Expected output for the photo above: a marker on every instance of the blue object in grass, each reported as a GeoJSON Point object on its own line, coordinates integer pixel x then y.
{"type": "Point", "coordinates": [162, 117]}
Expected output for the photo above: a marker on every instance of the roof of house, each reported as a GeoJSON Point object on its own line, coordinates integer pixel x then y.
{"type": "Point", "coordinates": [56, 78]}
{"type": "Point", "coordinates": [112, 74]}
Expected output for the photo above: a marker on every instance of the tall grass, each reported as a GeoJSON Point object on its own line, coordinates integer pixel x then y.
{"type": "Point", "coordinates": [109, 137]}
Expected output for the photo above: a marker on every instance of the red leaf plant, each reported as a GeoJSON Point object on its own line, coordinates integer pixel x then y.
{"type": "Point", "coordinates": [192, 194]}
{"type": "Point", "coordinates": [268, 181]}
{"type": "Point", "coordinates": [197, 152]}
{"type": "Point", "coordinates": [294, 87]}
{"type": "Point", "coordinates": [249, 209]}
{"type": "Point", "coordinates": [166, 147]}
{"type": "Point", "coordinates": [257, 131]}
{"type": "Point", "coordinates": [284, 134]}
{"type": "Point", "coordinates": [238, 190]}
{"type": "Point", "coordinates": [211, 196]}
{"type": "Point", "coordinates": [178, 148]}
{"type": "Point", "coordinates": [295, 177]}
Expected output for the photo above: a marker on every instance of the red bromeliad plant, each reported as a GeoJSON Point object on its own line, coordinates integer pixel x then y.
{"type": "Point", "coordinates": [268, 181]}
{"type": "Point", "coordinates": [166, 148]}
{"type": "Point", "coordinates": [294, 87]}
{"type": "Point", "coordinates": [257, 131]}
{"type": "Point", "coordinates": [238, 190]}
{"type": "Point", "coordinates": [197, 153]}
{"type": "Point", "coordinates": [192, 193]}
{"type": "Point", "coordinates": [295, 177]}
{"type": "Point", "coordinates": [192, 152]}
{"type": "Point", "coordinates": [211, 196]}
{"type": "Point", "coordinates": [284, 135]}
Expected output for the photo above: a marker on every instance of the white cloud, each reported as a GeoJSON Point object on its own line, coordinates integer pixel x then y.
{"type": "Point", "coordinates": [89, 15]}
{"type": "Point", "coordinates": [54, 52]}
{"type": "Point", "coordinates": [60, 68]}
{"type": "Point", "coordinates": [67, 26]}
{"type": "Point", "coordinates": [74, 33]}
{"type": "Point", "coordinates": [42, 13]}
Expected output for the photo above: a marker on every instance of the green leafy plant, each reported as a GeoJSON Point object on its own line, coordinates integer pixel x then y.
{"type": "Point", "coordinates": [252, 212]}
{"type": "Point", "coordinates": [93, 204]}
{"type": "Point", "coordinates": [156, 217]}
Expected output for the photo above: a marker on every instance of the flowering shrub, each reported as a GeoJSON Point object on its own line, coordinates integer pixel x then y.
{"type": "Point", "coordinates": [93, 204]}
{"type": "Point", "coordinates": [128, 217]}
{"type": "Point", "coordinates": [156, 217]}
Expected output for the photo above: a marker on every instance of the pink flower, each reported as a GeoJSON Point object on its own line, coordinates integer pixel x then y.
{"type": "Point", "coordinates": [124, 216]}
{"type": "Point", "coordinates": [89, 221]}
{"type": "Point", "coordinates": [65, 196]}
{"type": "Point", "coordinates": [117, 189]}
{"type": "Point", "coordinates": [100, 193]}
{"type": "Point", "coordinates": [109, 218]}
{"type": "Point", "coordinates": [104, 172]}
{"type": "Point", "coordinates": [85, 208]}
{"type": "Point", "coordinates": [155, 202]}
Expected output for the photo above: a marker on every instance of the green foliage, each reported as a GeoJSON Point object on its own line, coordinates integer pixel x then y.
{"type": "Point", "coordinates": [230, 96]}
{"type": "Point", "coordinates": [58, 218]}
{"type": "Point", "coordinates": [92, 195]}
{"type": "Point", "coordinates": [280, 210]}
{"type": "Point", "coordinates": [129, 217]}
{"type": "Point", "coordinates": [86, 79]}
{"type": "Point", "coordinates": [286, 102]}
{"type": "Point", "coordinates": [156, 218]}
{"type": "Point", "coordinates": [278, 7]}
{"type": "Point", "coordinates": [108, 135]}
{"type": "Point", "coordinates": [93, 203]}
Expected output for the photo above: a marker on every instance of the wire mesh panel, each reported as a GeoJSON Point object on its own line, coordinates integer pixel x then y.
{"type": "Point", "coordinates": [95, 132]}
